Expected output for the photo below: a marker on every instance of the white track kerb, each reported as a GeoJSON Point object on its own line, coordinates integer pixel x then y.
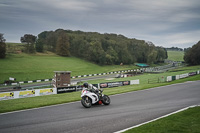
{"type": "Point", "coordinates": [121, 131]}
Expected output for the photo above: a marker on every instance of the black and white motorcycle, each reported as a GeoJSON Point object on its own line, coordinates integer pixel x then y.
{"type": "Point", "coordinates": [90, 98]}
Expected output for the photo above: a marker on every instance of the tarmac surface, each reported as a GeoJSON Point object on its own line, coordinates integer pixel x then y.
{"type": "Point", "coordinates": [125, 110]}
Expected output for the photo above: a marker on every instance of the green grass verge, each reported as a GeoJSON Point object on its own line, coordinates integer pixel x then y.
{"type": "Point", "coordinates": [40, 101]}
{"type": "Point", "coordinates": [175, 55]}
{"type": "Point", "coordinates": [187, 121]}
{"type": "Point", "coordinates": [35, 102]}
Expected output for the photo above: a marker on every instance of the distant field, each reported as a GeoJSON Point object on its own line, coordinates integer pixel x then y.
{"type": "Point", "coordinates": [25, 67]}
{"type": "Point", "coordinates": [14, 48]}
{"type": "Point", "coordinates": [175, 55]}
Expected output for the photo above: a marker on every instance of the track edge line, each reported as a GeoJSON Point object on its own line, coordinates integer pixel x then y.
{"type": "Point", "coordinates": [180, 110]}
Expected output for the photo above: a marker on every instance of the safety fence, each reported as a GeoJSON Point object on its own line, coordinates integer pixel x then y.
{"type": "Point", "coordinates": [172, 78]}
{"type": "Point", "coordinates": [50, 91]}
{"type": "Point", "coordinates": [157, 80]}
{"type": "Point", "coordinates": [154, 69]}
{"type": "Point", "coordinates": [176, 77]}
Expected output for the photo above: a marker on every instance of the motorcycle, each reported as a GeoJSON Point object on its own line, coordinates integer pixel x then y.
{"type": "Point", "coordinates": [90, 98]}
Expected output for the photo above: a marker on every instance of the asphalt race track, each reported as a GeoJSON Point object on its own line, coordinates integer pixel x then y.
{"type": "Point", "coordinates": [125, 110]}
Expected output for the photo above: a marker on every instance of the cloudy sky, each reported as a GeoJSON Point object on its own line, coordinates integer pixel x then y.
{"type": "Point", "coordinates": [166, 23]}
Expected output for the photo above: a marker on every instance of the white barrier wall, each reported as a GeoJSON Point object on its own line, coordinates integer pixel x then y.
{"type": "Point", "coordinates": [177, 77]}
{"type": "Point", "coordinates": [134, 82]}
{"type": "Point", "coordinates": [169, 78]}
{"type": "Point", "coordinates": [184, 75]}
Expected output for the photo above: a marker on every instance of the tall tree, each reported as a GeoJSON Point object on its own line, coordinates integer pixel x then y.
{"type": "Point", "coordinates": [41, 42]}
{"type": "Point", "coordinates": [102, 49]}
{"type": "Point", "coordinates": [96, 52]}
{"type": "Point", "coordinates": [152, 57]}
{"type": "Point", "coordinates": [162, 54]}
{"type": "Point", "coordinates": [39, 46]}
{"type": "Point", "coordinates": [192, 56]}
{"type": "Point", "coordinates": [62, 45]}
{"type": "Point", "coordinates": [51, 41]}
{"type": "Point", "coordinates": [29, 40]}
{"type": "Point", "coordinates": [111, 56]}
{"type": "Point", "coordinates": [2, 46]}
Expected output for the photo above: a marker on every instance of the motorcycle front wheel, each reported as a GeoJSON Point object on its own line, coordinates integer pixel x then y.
{"type": "Point", "coordinates": [86, 102]}
{"type": "Point", "coordinates": [106, 100]}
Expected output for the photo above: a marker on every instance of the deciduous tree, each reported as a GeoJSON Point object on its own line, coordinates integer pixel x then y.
{"type": "Point", "coordinates": [2, 46]}
{"type": "Point", "coordinates": [62, 45]}
{"type": "Point", "coordinates": [29, 40]}
{"type": "Point", "coordinates": [192, 56]}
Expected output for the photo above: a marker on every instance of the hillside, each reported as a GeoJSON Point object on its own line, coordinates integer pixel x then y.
{"type": "Point", "coordinates": [26, 67]}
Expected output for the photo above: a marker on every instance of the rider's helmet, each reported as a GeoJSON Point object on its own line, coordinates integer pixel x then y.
{"type": "Point", "coordinates": [85, 85]}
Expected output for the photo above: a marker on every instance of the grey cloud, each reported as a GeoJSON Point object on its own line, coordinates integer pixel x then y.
{"type": "Point", "coordinates": [160, 21]}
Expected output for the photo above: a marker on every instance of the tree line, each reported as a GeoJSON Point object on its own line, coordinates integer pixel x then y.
{"type": "Point", "coordinates": [103, 49]}
{"type": "Point", "coordinates": [175, 49]}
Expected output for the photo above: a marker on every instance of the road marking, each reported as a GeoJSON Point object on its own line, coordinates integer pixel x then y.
{"type": "Point", "coordinates": [180, 110]}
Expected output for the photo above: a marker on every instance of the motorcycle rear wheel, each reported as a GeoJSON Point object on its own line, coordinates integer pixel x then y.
{"type": "Point", "coordinates": [86, 102]}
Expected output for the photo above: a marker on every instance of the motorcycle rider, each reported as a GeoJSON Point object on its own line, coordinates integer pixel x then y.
{"type": "Point", "coordinates": [92, 88]}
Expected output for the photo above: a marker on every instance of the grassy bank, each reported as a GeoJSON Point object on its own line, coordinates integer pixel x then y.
{"type": "Point", "coordinates": [26, 103]}
{"type": "Point", "coordinates": [187, 121]}
{"type": "Point", "coordinates": [25, 67]}
{"type": "Point", "coordinates": [175, 55]}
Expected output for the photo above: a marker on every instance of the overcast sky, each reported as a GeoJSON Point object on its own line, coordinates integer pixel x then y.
{"type": "Point", "coordinates": [166, 23]}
